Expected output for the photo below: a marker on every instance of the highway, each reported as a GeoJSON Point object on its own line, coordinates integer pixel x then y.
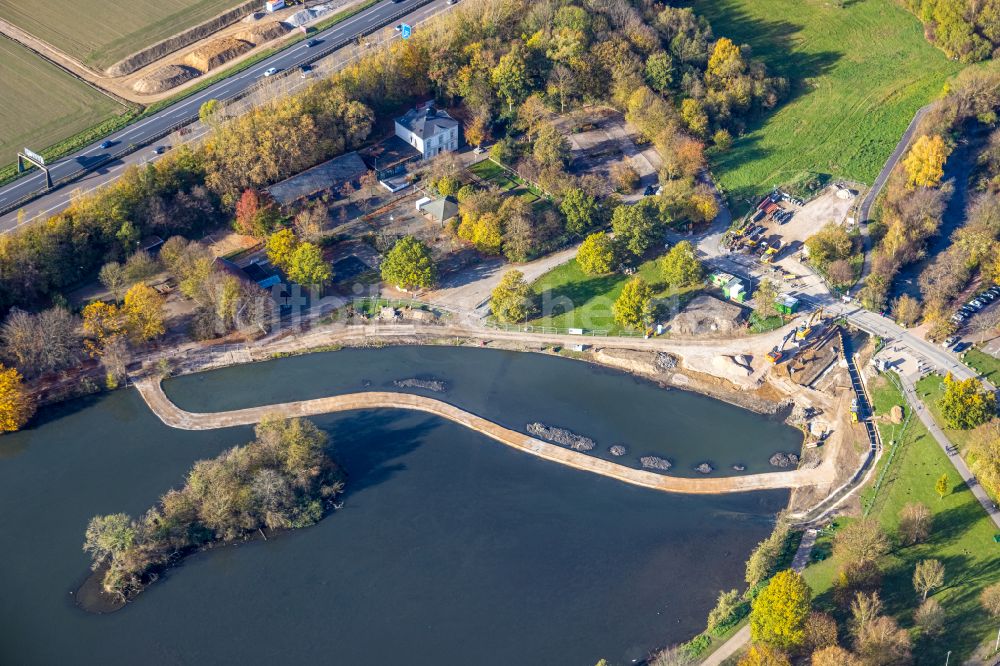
{"type": "Point", "coordinates": [90, 167]}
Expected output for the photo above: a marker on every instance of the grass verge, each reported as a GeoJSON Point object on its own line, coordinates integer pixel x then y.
{"type": "Point", "coordinates": [857, 73]}
{"type": "Point", "coordinates": [961, 538]}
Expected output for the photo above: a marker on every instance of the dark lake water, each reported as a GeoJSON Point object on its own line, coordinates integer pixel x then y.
{"type": "Point", "coordinates": [450, 549]}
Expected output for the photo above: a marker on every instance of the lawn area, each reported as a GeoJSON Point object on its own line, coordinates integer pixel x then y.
{"type": "Point", "coordinates": [961, 538]}
{"type": "Point", "coordinates": [100, 34]}
{"type": "Point", "coordinates": [42, 104]}
{"type": "Point", "coordinates": [986, 365]}
{"type": "Point", "coordinates": [930, 389]}
{"type": "Point", "coordinates": [857, 75]}
{"type": "Point", "coordinates": [492, 172]}
{"type": "Point", "coordinates": [570, 298]}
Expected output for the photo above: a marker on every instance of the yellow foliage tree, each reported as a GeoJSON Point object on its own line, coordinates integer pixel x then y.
{"type": "Point", "coordinates": [143, 311]}
{"type": "Point", "coordinates": [779, 613]}
{"type": "Point", "coordinates": [763, 655]}
{"type": "Point", "coordinates": [16, 406]}
{"type": "Point", "coordinates": [102, 323]}
{"type": "Point", "coordinates": [281, 245]}
{"type": "Point", "coordinates": [925, 163]}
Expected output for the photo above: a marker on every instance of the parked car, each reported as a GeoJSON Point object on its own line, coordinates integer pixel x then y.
{"type": "Point", "coordinates": [978, 304]}
{"type": "Point", "coordinates": [987, 295]}
{"type": "Point", "coordinates": [949, 341]}
{"type": "Point", "coordinates": [106, 144]}
{"type": "Point", "coordinates": [270, 71]}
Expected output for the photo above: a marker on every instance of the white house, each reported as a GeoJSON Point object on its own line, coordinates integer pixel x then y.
{"type": "Point", "coordinates": [431, 131]}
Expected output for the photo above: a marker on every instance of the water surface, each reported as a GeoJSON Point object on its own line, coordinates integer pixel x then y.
{"type": "Point", "coordinates": [451, 548]}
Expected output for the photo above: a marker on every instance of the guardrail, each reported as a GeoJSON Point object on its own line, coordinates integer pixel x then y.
{"type": "Point", "coordinates": [132, 147]}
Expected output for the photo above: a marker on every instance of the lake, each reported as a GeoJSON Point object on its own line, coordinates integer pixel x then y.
{"type": "Point", "coordinates": [451, 548]}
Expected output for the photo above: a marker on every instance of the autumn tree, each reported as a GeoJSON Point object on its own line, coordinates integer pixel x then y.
{"type": "Point", "coordinates": [512, 300]}
{"type": "Point", "coordinates": [102, 322]}
{"type": "Point", "coordinates": [112, 276]}
{"type": "Point", "coordinates": [311, 221]}
{"type": "Point", "coordinates": [635, 227]}
{"type": "Point", "coordinates": [281, 245]}
{"type": "Point", "coordinates": [681, 267]}
{"type": "Point", "coordinates": [764, 655]}
{"type": "Point", "coordinates": [989, 598]}
{"type": "Point", "coordinates": [985, 456]}
{"type": "Point", "coordinates": [16, 405]}
{"type": "Point", "coordinates": [833, 655]}
{"type": "Point", "coordinates": [38, 343]}
{"type": "Point", "coordinates": [254, 215]}
{"type": "Point", "coordinates": [924, 164]}
{"type": "Point", "coordinates": [930, 617]}
{"type": "Point", "coordinates": [624, 177]}
{"type": "Point", "coordinates": [966, 403]}
{"type": "Point", "coordinates": [883, 642]}
{"type": "Point", "coordinates": [914, 523]}
{"type": "Point", "coordinates": [634, 307]}
{"type": "Point", "coordinates": [840, 272]}
{"type": "Point", "coordinates": [596, 255]}
{"type": "Point", "coordinates": [581, 211]}
{"type": "Point", "coordinates": [779, 613]}
{"type": "Point", "coordinates": [143, 313]}
{"type": "Point", "coordinates": [551, 148]}
{"type": "Point", "coordinates": [510, 77]}
{"type": "Point", "coordinates": [307, 265]}
{"type": "Point", "coordinates": [906, 310]}
{"type": "Point", "coordinates": [409, 265]}
{"type": "Point", "coordinates": [820, 631]}
{"type": "Point", "coordinates": [942, 486]}
{"type": "Point", "coordinates": [928, 575]}
{"type": "Point", "coordinates": [861, 540]}
{"type": "Point", "coordinates": [694, 116]}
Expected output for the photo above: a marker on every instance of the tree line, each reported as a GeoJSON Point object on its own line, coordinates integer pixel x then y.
{"type": "Point", "coordinates": [966, 30]}
{"type": "Point", "coordinates": [284, 479]}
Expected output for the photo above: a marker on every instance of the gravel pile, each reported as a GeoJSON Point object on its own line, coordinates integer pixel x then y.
{"type": "Point", "coordinates": [435, 385]}
{"type": "Point", "coordinates": [561, 436]}
{"type": "Point", "coordinates": [704, 468]}
{"type": "Point", "coordinates": [618, 450]}
{"type": "Point", "coordinates": [783, 460]}
{"type": "Point", "coordinates": [654, 462]}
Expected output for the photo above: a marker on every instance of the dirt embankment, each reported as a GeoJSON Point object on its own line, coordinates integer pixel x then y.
{"type": "Point", "coordinates": [165, 78]}
{"type": "Point", "coordinates": [216, 52]}
{"type": "Point", "coordinates": [151, 54]}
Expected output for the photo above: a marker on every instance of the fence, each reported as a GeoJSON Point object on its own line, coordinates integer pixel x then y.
{"type": "Point", "coordinates": [552, 330]}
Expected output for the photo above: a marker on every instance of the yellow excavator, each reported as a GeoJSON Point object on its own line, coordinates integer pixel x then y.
{"type": "Point", "coordinates": [805, 330]}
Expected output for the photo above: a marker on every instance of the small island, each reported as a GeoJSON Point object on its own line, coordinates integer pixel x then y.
{"type": "Point", "coordinates": [284, 479]}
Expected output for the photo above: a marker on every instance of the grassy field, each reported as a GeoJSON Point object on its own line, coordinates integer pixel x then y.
{"type": "Point", "coordinates": [961, 538]}
{"type": "Point", "coordinates": [100, 34]}
{"type": "Point", "coordinates": [42, 104]}
{"type": "Point", "coordinates": [572, 299]}
{"type": "Point", "coordinates": [986, 365]}
{"type": "Point", "coordinates": [856, 74]}
{"type": "Point", "coordinates": [930, 389]}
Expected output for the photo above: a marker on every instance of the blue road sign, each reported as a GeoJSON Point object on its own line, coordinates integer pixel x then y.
{"type": "Point", "coordinates": [405, 30]}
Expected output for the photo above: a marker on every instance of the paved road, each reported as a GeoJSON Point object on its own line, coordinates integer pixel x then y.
{"type": "Point", "coordinates": [910, 391]}
{"type": "Point", "coordinates": [864, 211]}
{"type": "Point", "coordinates": [176, 115]}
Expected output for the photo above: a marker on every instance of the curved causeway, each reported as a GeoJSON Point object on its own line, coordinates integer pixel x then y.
{"type": "Point", "coordinates": [175, 417]}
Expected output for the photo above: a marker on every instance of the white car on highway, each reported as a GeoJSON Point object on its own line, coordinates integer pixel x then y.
{"type": "Point", "coordinates": [270, 71]}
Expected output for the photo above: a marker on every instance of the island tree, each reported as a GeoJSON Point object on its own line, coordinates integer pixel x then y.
{"type": "Point", "coordinates": [409, 265]}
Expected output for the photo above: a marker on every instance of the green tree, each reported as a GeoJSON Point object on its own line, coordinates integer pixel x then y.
{"type": "Point", "coordinates": [726, 607]}
{"type": "Point", "coordinates": [830, 243]}
{"type": "Point", "coordinates": [208, 111]}
{"type": "Point", "coordinates": [966, 404]}
{"type": "Point", "coordinates": [108, 537]}
{"type": "Point", "coordinates": [512, 300]}
{"type": "Point", "coordinates": [765, 299]}
{"type": "Point", "coordinates": [694, 116]}
{"type": "Point", "coordinates": [551, 148]}
{"type": "Point", "coordinates": [307, 265]}
{"type": "Point", "coordinates": [510, 77]}
{"type": "Point", "coordinates": [635, 227]}
{"type": "Point", "coordinates": [634, 307]}
{"type": "Point", "coordinates": [660, 71]}
{"type": "Point", "coordinates": [942, 486]}
{"type": "Point", "coordinates": [581, 211]}
{"type": "Point", "coordinates": [596, 255]}
{"type": "Point", "coordinates": [779, 613]}
{"type": "Point", "coordinates": [112, 276]}
{"type": "Point", "coordinates": [680, 267]}
{"type": "Point", "coordinates": [409, 265]}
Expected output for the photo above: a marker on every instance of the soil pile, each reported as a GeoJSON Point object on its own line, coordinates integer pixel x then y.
{"type": "Point", "coordinates": [165, 78]}
{"type": "Point", "coordinates": [264, 31]}
{"type": "Point", "coordinates": [216, 52]}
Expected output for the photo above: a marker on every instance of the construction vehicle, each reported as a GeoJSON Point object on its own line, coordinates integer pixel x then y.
{"type": "Point", "coordinates": [768, 255]}
{"type": "Point", "coordinates": [854, 410]}
{"type": "Point", "coordinates": [778, 353]}
{"type": "Point", "coordinates": [805, 330]}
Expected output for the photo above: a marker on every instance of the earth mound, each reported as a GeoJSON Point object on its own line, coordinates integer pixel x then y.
{"type": "Point", "coordinates": [165, 78]}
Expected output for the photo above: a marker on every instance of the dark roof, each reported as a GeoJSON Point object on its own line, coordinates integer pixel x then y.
{"type": "Point", "coordinates": [389, 152]}
{"type": "Point", "coordinates": [229, 267]}
{"type": "Point", "coordinates": [426, 121]}
{"type": "Point", "coordinates": [328, 175]}
{"type": "Point", "coordinates": [442, 209]}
